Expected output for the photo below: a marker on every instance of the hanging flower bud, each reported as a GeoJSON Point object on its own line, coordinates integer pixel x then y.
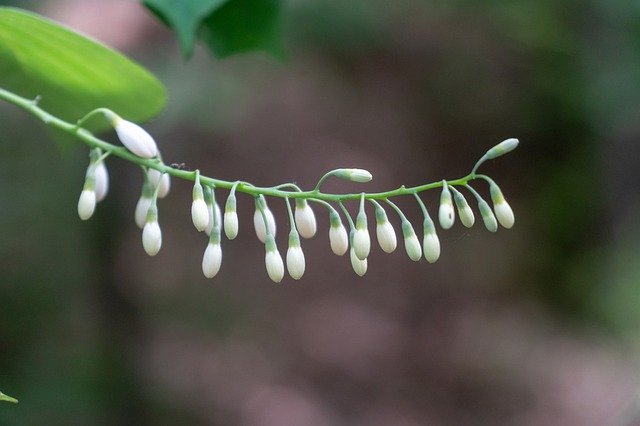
{"type": "Point", "coordinates": [212, 259]}
{"type": "Point", "coordinates": [102, 181]}
{"type": "Point", "coordinates": [295, 256]}
{"type": "Point", "coordinates": [430, 242]}
{"type": "Point", "coordinates": [337, 234]}
{"type": "Point", "coordinates": [199, 211]}
{"type": "Point", "coordinates": [151, 234]}
{"type": "Point", "coordinates": [231, 217]}
{"type": "Point", "coordinates": [354, 175]}
{"type": "Point", "coordinates": [504, 214]}
{"type": "Point", "coordinates": [158, 178]}
{"type": "Point", "coordinates": [359, 266]}
{"type": "Point", "coordinates": [487, 216]}
{"type": "Point", "coordinates": [446, 214]}
{"type": "Point", "coordinates": [411, 242]}
{"type": "Point", "coordinates": [258, 220]}
{"type": "Point", "coordinates": [135, 138]}
{"type": "Point", "coordinates": [384, 231]}
{"type": "Point", "coordinates": [361, 241]}
{"type": "Point", "coordinates": [502, 148]}
{"type": "Point", "coordinates": [305, 219]}
{"type": "Point", "coordinates": [464, 210]}
{"type": "Point", "coordinates": [87, 200]}
{"type": "Point", "coordinates": [273, 260]}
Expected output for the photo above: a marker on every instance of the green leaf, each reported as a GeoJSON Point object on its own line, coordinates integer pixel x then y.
{"type": "Point", "coordinates": [71, 73]}
{"type": "Point", "coordinates": [7, 398]}
{"type": "Point", "coordinates": [184, 16]}
{"type": "Point", "coordinates": [243, 25]}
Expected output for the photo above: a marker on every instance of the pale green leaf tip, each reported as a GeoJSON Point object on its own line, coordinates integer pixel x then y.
{"type": "Point", "coordinates": [7, 398]}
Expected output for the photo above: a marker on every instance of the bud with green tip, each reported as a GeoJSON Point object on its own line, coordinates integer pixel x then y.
{"type": "Point", "coordinates": [295, 256]}
{"type": "Point", "coordinates": [87, 200]}
{"type": "Point", "coordinates": [464, 210]}
{"type": "Point", "coordinates": [102, 181]}
{"type": "Point", "coordinates": [338, 237]}
{"type": "Point", "coordinates": [199, 210]}
{"type": "Point", "coordinates": [487, 216]}
{"type": "Point", "coordinates": [411, 242]}
{"type": "Point", "coordinates": [144, 202]}
{"type": "Point", "coordinates": [231, 217]}
{"type": "Point", "coordinates": [305, 219]}
{"type": "Point", "coordinates": [502, 148]}
{"type": "Point", "coordinates": [212, 258]}
{"type": "Point", "coordinates": [446, 214]}
{"type": "Point", "coordinates": [258, 220]}
{"type": "Point", "coordinates": [361, 240]}
{"type": "Point", "coordinates": [430, 242]}
{"type": "Point", "coordinates": [354, 175]}
{"type": "Point", "coordinates": [358, 265]}
{"type": "Point", "coordinates": [134, 137]}
{"type": "Point", "coordinates": [504, 214]}
{"type": "Point", "coordinates": [273, 260]}
{"type": "Point", "coordinates": [384, 231]}
{"type": "Point", "coordinates": [151, 233]}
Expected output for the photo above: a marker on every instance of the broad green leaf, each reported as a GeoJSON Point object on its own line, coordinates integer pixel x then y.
{"type": "Point", "coordinates": [184, 16]}
{"type": "Point", "coordinates": [243, 25]}
{"type": "Point", "coordinates": [71, 73]}
{"type": "Point", "coordinates": [7, 398]}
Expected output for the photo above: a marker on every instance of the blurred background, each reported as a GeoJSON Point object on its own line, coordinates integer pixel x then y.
{"type": "Point", "coordinates": [530, 326]}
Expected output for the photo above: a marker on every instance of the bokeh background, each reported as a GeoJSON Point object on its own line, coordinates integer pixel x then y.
{"type": "Point", "coordinates": [530, 326]}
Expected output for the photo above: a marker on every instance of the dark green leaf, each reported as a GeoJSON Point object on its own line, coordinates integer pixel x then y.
{"type": "Point", "coordinates": [72, 73]}
{"type": "Point", "coordinates": [244, 25]}
{"type": "Point", "coordinates": [184, 16]}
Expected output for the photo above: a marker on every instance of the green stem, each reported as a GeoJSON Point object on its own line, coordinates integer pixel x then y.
{"type": "Point", "coordinates": [89, 139]}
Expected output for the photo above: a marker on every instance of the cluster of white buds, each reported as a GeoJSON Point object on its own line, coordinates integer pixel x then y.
{"type": "Point", "coordinates": [207, 216]}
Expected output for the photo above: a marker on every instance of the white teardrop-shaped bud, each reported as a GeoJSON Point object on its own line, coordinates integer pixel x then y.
{"type": "Point", "coordinates": [199, 214]}
{"type": "Point", "coordinates": [385, 232]}
{"type": "Point", "coordinates": [152, 237]}
{"type": "Point", "coordinates": [502, 148]}
{"type": "Point", "coordinates": [231, 217]}
{"type": "Point", "coordinates": [158, 178]}
{"type": "Point", "coordinates": [361, 240]}
{"type": "Point", "coordinates": [258, 223]}
{"type": "Point", "coordinates": [359, 266]}
{"type": "Point", "coordinates": [464, 210]}
{"type": "Point", "coordinates": [431, 246]}
{"type": "Point", "coordinates": [338, 239]}
{"type": "Point", "coordinates": [411, 242]}
{"type": "Point", "coordinates": [142, 207]}
{"type": "Point", "coordinates": [102, 181]}
{"type": "Point", "coordinates": [488, 217]}
{"type": "Point", "coordinates": [295, 257]}
{"type": "Point", "coordinates": [86, 204]}
{"type": "Point", "coordinates": [446, 215]}
{"type": "Point", "coordinates": [273, 260]}
{"type": "Point", "coordinates": [503, 210]}
{"type": "Point", "coordinates": [212, 260]}
{"type": "Point", "coordinates": [135, 138]}
{"type": "Point", "coordinates": [305, 219]}
{"type": "Point", "coordinates": [354, 175]}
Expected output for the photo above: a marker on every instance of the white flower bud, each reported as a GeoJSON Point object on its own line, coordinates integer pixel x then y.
{"type": "Point", "coordinates": [385, 232]}
{"type": "Point", "coordinates": [151, 237]}
{"type": "Point", "coordinates": [487, 216]}
{"type": "Point", "coordinates": [86, 204]}
{"type": "Point", "coordinates": [102, 181]}
{"type": "Point", "coordinates": [361, 240]}
{"type": "Point", "coordinates": [354, 175]}
{"type": "Point", "coordinates": [295, 257]}
{"type": "Point", "coordinates": [502, 148]}
{"type": "Point", "coordinates": [199, 214]}
{"type": "Point", "coordinates": [338, 239]}
{"type": "Point", "coordinates": [305, 219]}
{"type": "Point", "coordinates": [359, 266]}
{"type": "Point", "coordinates": [464, 210]}
{"type": "Point", "coordinates": [135, 138]}
{"type": "Point", "coordinates": [504, 214]}
{"type": "Point", "coordinates": [430, 243]}
{"type": "Point", "coordinates": [411, 242]}
{"type": "Point", "coordinates": [446, 215]}
{"type": "Point", "coordinates": [231, 217]}
{"type": "Point", "coordinates": [212, 260]}
{"type": "Point", "coordinates": [258, 224]}
{"type": "Point", "coordinates": [273, 260]}
{"type": "Point", "coordinates": [142, 207]}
